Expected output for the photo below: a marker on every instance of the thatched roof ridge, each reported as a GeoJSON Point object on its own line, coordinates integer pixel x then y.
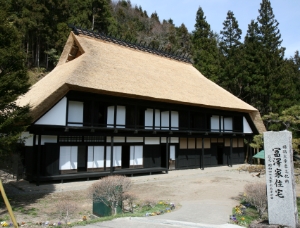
{"type": "Point", "coordinates": [108, 68]}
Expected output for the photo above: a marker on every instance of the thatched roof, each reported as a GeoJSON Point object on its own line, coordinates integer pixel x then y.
{"type": "Point", "coordinates": [98, 66]}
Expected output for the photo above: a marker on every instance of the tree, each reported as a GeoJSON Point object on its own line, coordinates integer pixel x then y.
{"type": "Point", "coordinates": [289, 119]}
{"type": "Point", "coordinates": [110, 190]}
{"type": "Point", "coordinates": [205, 50]}
{"type": "Point", "coordinates": [256, 194]}
{"type": "Point", "coordinates": [184, 39]}
{"type": "Point", "coordinates": [231, 34]}
{"type": "Point", "coordinates": [272, 53]}
{"type": "Point", "coordinates": [252, 60]}
{"type": "Point", "coordinates": [232, 77]}
{"type": "Point", "coordinates": [257, 143]}
{"type": "Point", "coordinates": [13, 82]}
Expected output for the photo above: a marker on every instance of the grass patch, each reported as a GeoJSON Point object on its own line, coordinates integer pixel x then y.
{"type": "Point", "coordinates": [244, 214]}
{"type": "Point", "coordinates": [298, 206]}
{"type": "Point", "coordinates": [140, 210]}
{"type": "Point", "coordinates": [29, 211]}
{"type": "Point", "coordinates": [250, 214]}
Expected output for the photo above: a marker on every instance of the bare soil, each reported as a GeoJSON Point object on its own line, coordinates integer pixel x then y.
{"type": "Point", "coordinates": [210, 192]}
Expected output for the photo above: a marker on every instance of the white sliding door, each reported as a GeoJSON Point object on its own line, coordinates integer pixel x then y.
{"type": "Point", "coordinates": [90, 160]}
{"type": "Point", "coordinates": [68, 157]}
{"type": "Point", "coordinates": [136, 155]}
{"type": "Point", "coordinates": [165, 120]}
{"type": "Point", "coordinates": [95, 157]}
{"type": "Point", "coordinates": [228, 126]}
{"type": "Point", "coordinates": [110, 116]}
{"type": "Point", "coordinates": [117, 156]}
{"type": "Point", "coordinates": [121, 116]}
{"type": "Point", "coordinates": [75, 113]}
{"type": "Point", "coordinates": [157, 119]}
{"type": "Point", "coordinates": [98, 156]}
{"type": "Point", "coordinates": [148, 118]}
{"type": "Point", "coordinates": [172, 152]}
{"type": "Point", "coordinates": [174, 120]}
{"type": "Point", "coordinates": [215, 123]}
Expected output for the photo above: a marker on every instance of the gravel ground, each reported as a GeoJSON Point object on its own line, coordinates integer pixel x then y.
{"type": "Point", "coordinates": [202, 196]}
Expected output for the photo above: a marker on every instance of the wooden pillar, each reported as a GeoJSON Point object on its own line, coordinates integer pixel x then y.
{"type": "Point", "coordinates": [153, 119]}
{"type": "Point", "coordinates": [111, 154]}
{"type": "Point", "coordinates": [135, 116]}
{"type": "Point", "coordinates": [202, 155]}
{"type": "Point", "coordinates": [115, 116]}
{"type": "Point", "coordinates": [230, 155]}
{"type": "Point", "coordinates": [38, 160]}
{"type": "Point", "coordinates": [251, 155]}
{"type": "Point", "coordinates": [167, 153]}
{"type": "Point", "coordinates": [170, 122]}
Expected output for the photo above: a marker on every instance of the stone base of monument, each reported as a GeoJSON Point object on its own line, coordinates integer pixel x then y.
{"type": "Point", "coordinates": [263, 224]}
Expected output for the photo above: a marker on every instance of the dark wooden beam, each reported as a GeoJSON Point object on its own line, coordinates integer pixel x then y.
{"type": "Point", "coordinates": [202, 155]}
{"type": "Point", "coordinates": [167, 153]}
{"type": "Point", "coordinates": [38, 160]}
{"type": "Point", "coordinates": [111, 154]}
{"type": "Point", "coordinates": [230, 156]}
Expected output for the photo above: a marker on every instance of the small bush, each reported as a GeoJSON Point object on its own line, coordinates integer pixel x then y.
{"type": "Point", "coordinates": [256, 194]}
{"type": "Point", "coordinates": [149, 203]}
{"type": "Point", "coordinates": [66, 209]}
{"type": "Point", "coordinates": [128, 199]}
{"type": "Point", "coordinates": [110, 190]}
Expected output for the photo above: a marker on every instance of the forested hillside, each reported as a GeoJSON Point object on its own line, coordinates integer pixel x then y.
{"type": "Point", "coordinates": [252, 65]}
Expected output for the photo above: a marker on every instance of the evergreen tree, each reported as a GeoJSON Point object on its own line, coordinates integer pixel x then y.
{"type": "Point", "coordinates": [206, 53]}
{"type": "Point", "coordinates": [270, 39]}
{"type": "Point", "coordinates": [13, 82]}
{"type": "Point", "coordinates": [252, 61]}
{"type": "Point", "coordinates": [184, 39]}
{"type": "Point", "coordinates": [296, 60]}
{"type": "Point", "coordinates": [231, 34]}
{"type": "Point", "coordinates": [232, 77]}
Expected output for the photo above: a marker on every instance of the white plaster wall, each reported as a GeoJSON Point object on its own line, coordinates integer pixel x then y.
{"type": "Point", "coordinates": [46, 139]}
{"type": "Point", "coordinates": [56, 115]}
{"type": "Point", "coordinates": [134, 139]}
{"type": "Point", "coordinates": [246, 126]}
{"type": "Point", "coordinates": [152, 140]}
{"type": "Point", "coordinates": [116, 139]}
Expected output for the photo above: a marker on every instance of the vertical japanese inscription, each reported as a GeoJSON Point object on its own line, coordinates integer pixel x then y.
{"type": "Point", "coordinates": [282, 207]}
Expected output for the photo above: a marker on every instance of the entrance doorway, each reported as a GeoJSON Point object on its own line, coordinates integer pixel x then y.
{"type": "Point", "coordinates": [220, 153]}
{"type": "Point", "coordinates": [82, 159]}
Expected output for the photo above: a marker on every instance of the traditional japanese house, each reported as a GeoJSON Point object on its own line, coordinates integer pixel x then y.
{"type": "Point", "coordinates": [112, 107]}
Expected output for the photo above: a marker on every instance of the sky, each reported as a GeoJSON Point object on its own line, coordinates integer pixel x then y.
{"type": "Point", "coordinates": [184, 11]}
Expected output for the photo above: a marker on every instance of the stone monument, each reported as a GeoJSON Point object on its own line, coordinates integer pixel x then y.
{"type": "Point", "coordinates": [282, 204]}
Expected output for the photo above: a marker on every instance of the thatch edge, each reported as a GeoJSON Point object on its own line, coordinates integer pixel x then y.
{"type": "Point", "coordinates": [258, 122]}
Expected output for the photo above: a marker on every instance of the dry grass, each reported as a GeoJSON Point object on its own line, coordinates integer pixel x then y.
{"type": "Point", "coordinates": [252, 168]}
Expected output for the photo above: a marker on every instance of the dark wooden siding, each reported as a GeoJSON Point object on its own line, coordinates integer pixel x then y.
{"type": "Point", "coordinates": [30, 162]}
{"type": "Point", "coordinates": [50, 159]}
{"type": "Point", "coordinates": [238, 155]}
{"type": "Point", "coordinates": [188, 158]}
{"type": "Point", "coordinates": [152, 156]}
